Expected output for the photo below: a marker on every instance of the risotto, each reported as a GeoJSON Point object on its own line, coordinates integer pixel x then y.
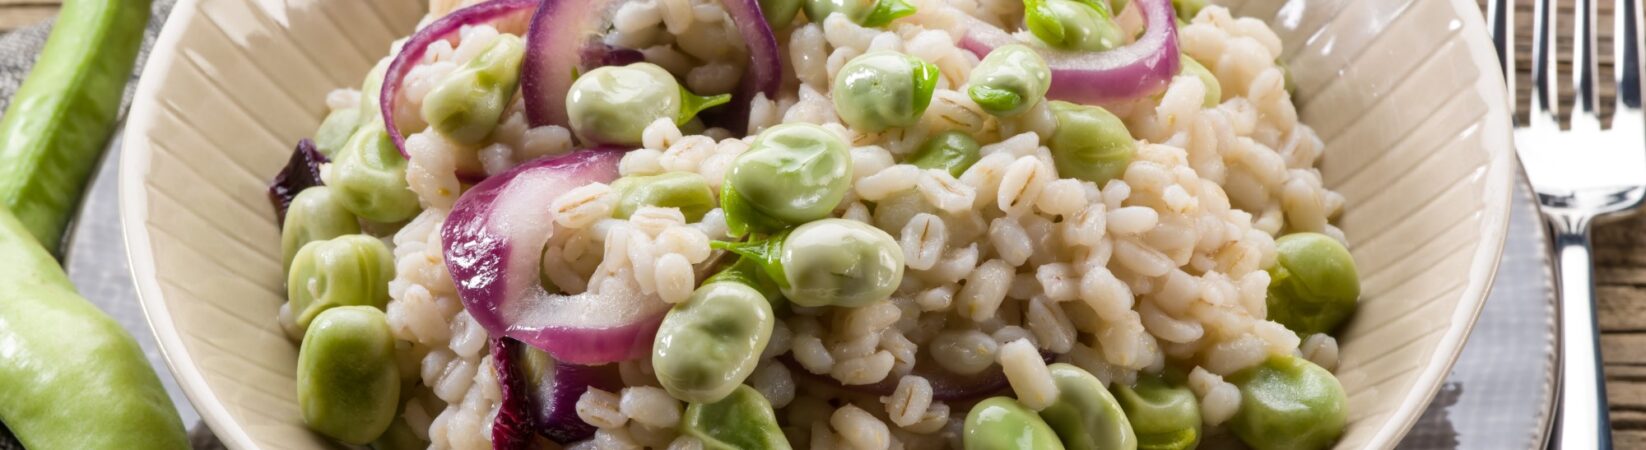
{"type": "Point", "coordinates": [868, 224]}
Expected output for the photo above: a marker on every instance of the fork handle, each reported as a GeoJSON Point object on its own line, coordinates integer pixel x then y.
{"type": "Point", "coordinates": [1581, 420]}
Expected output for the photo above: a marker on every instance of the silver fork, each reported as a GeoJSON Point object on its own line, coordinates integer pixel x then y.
{"type": "Point", "coordinates": [1580, 174]}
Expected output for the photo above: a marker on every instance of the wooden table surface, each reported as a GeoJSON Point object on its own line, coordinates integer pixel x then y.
{"type": "Point", "coordinates": [1620, 247]}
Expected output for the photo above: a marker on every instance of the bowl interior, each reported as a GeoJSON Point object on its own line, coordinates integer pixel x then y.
{"type": "Point", "coordinates": [1417, 141]}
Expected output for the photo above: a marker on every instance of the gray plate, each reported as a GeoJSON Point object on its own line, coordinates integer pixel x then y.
{"type": "Point", "coordinates": [1495, 398]}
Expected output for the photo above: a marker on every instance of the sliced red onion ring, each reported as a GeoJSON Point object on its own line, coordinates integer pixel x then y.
{"type": "Point", "coordinates": [1135, 70]}
{"type": "Point", "coordinates": [502, 14]}
{"type": "Point", "coordinates": [540, 395]}
{"type": "Point", "coordinates": [765, 71]}
{"type": "Point", "coordinates": [494, 240]}
{"type": "Point", "coordinates": [563, 30]}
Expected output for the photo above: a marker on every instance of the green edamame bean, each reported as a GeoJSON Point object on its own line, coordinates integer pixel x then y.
{"type": "Point", "coordinates": [1085, 416]}
{"type": "Point", "coordinates": [314, 215]}
{"type": "Point", "coordinates": [466, 105]}
{"type": "Point", "coordinates": [883, 89]}
{"type": "Point", "coordinates": [710, 343]}
{"type": "Point", "coordinates": [1313, 285]}
{"type": "Point", "coordinates": [348, 270]}
{"type": "Point", "coordinates": [74, 379]}
{"type": "Point", "coordinates": [348, 385]}
{"type": "Point", "coordinates": [686, 191]}
{"type": "Point", "coordinates": [60, 119]}
{"type": "Point", "coordinates": [1080, 25]}
{"type": "Point", "coordinates": [791, 174]}
{"type": "Point", "coordinates": [369, 177]}
{"type": "Point", "coordinates": [334, 132]}
{"type": "Point", "coordinates": [613, 105]}
{"type": "Point", "coordinates": [950, 150]}
{"type": "Point", "coordinates": [1090, 143]}
{"type": "Point", "coordinates": [741, 420]}
{"type": "Point", "coordinates": [1000, 423]}
{"type": "Point", "coordinates": [1009, 80]}
{"type": "Point", "coordinates": [1214, 90]}
{"type": "Point", "coordinates": [868, 13]}
{"type": "Point", "coordinates": [1288, 403]}
{"type": "Point", "coordinates": [1164, 414]}
{"type": "Point", "coordinates": [780, 13]}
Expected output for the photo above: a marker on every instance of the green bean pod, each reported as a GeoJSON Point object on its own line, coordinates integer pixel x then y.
{"type": "Point", "coordinates": [58, 122]}
{"type": "Point", "coordinates": [74, 379]}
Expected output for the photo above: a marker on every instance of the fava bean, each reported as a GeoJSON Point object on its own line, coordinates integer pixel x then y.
{"type": "Point", "coordinates": [1085, 416]}
{"type": "Point", "coordinates": [466, 105]}
{"type": "Point", "coordinates": [829, 262]}
{"type": "Point", "coordinates": [1080, 25]}
{"type": "Point", "coordinates": [883, 89]}
{"type": "Point", "coordinates": [348, 384]}
{"type": "Point", "coordinates": [334, 132]}
{"type": "Point", "coordinates": [687, 191]}
{"type": "Point", "coordinates": [1313, 285]}
{"type": "Point", "coordinates": [710, 343]}
{"type": "Point", "coordinates": [952, 151]}
{"type": "Point", "coordinates": [868, 13]}
{"type": "Point", "coordinates": [780, 13]}
{"type": "Point", "coordinates": [791, 174]}
{"type": "Point", "coordinates": [369, 177]}
{"type": "Point", "coordinates": [1214, 91]}
{"type": "Point", "coordinates": [1090, 143]}
{"type": "Point", "coordinates": [741, 420]}
{"type": "Point", "coordinates": [351, 270]}
{"type": "Point", "coordinates": [613, 105]}
{"type": "Point", "coordinates": [1187, 9]}
{"type": "Point", "coordinates": [1009, 80]}
{"type": "Point", "coordinates": [1165, 415]}
{"type": "Point", "coordinates": [1288, 403]}
{"type": "Point", "coordinates": [314, 215]}
{"type": "Point", "coordinates": [1000, 423]}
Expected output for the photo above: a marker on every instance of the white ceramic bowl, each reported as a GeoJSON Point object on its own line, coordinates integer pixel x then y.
{"type": "Point", "coordinates": [1406, 93]}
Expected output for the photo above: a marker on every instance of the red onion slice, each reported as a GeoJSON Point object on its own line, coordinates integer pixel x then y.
{"type": "Point", "coordinates": [494, 240]}
{"type": "Point", "coordinates": [563, 30]}
{"type": "Point", "coordinates": [1135, 70]}
{"type": "Point", "coordinates": [302, 171]}
{"type": "Point", "coordinates": [560, 32]}
{"type": "Point", "coordinates": [540, 395]}
{"type": "Point", "coordinates": [502, 14]}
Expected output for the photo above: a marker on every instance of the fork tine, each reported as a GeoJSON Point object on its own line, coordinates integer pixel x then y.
{"type": "Point", "coordinates": [1545, 76]}
{"type": "Point", "coordinates": [1501, 13]}
{"type": "Point", "coordinates": [1585, 108]}
{"type": "Point", "coordinates": [1626, 51]}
